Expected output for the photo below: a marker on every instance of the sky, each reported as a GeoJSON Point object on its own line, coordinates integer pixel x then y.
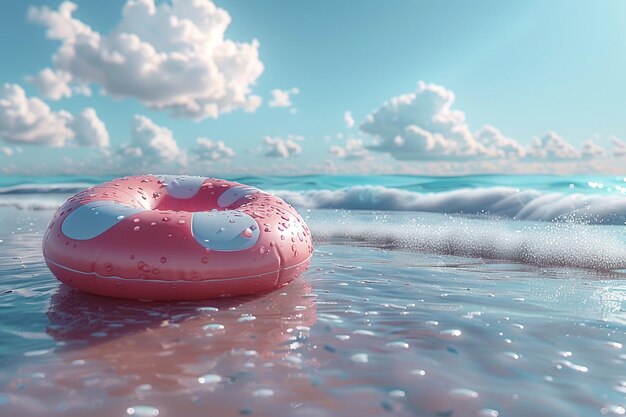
{"type": "Point", "coordinates": [293, 87]}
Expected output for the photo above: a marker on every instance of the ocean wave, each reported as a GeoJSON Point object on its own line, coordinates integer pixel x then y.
{"type": "Point", "coordinates": [501, 201]}
{"type": "Point", "coordinates": [540, 244]}
{"type": "Point", "coordinates": [61, 188]}
{"type": "Point", "coordinates": [498, 201]}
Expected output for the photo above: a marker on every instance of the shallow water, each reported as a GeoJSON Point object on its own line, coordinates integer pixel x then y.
{"type": "Point", "coordinates": [381, 324]}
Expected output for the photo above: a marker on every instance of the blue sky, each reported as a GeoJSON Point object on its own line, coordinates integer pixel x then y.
{"type": "Point", "coordinates": [526, 68]}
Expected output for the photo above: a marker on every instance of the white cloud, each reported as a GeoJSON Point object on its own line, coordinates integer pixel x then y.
{"type": "Point", "coordinates": [151, 143]}
{"type": "Point", "coordinates": [619, 146]}
{"type": "Point", "coordinates": [499, 145]}
{"type": "Point", "coordinates": [212, 150]}
{"type": "Point", "coordinates": [348, 119]}
{"type": "Point", "coordinates": [30, 121]}
{"type": "Point", "coordinates": [52, 84]}
{"type": "Point", "coordinates": [591, 149]}
{"type": "Point", "coordinates": [282, 98]}
{"type": "Point", "coordinates": [89, 129]}
{"type": "Point", "coordinates": [282, 148]}
{"type": "Point", "coordinates": [422, 125]}
{"type": "Point", "coordinates": [553, 147]}
{"type": "Point", "coordinates": [6, 150]}
{"type": "Point", "coordinates": [353, 151]}
{"type": "Point", "coordinates": [168, 56]}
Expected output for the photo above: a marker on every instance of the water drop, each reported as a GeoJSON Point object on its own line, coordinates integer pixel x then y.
{"type": "Point", "coordinates": [181, 221]}
{"type": "Point", "coordinates": [204, 259]}
{"type": "Point", "coordinates": [142, 411]}
{"type": "Point", "coordinates": [210, 379]}
{"type": "Point", "coordinates": [163, 259]}
{"type": "Point", "coordinates": [263, 393]}
{"type": "Point", "coordinates": [136, 228]}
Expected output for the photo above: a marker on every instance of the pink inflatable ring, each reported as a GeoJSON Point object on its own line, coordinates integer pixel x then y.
{"type": "Point", "coordinates": [169, 237]}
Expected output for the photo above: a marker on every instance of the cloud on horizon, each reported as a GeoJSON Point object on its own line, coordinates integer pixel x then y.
{"type": "Point", "coordinates": [423, 125]}
{"type": "Point", "coordinates": [277, 147]}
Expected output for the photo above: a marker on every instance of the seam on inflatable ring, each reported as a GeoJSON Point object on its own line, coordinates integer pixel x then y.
{"type": "Point", "coordinates": [178, 280]}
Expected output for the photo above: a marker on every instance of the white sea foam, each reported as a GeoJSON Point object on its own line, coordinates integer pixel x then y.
{"type": "Point", "coordinates": [500, 201]}
{"type": "Point", "coordinates": [542, 244]}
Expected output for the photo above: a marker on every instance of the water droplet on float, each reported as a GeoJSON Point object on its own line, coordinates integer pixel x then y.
{"type": "Point", "coordinates": [153, 224]}
{"type": "Point", "coordinates": [263, 393]}
{"type": "Point", "coordinates": [142, 411]}
{"type": "Point", "coordinates": [136, 221]}
{"type": "Point", "coordinates": [166, 219]}
{"type": "Point", "coordinates": [204, 260]}
{"type": "Point", "coordinates": [210, 379]}
{"type": "Point", "coordinates": [120, 217]}
{"type": "Point", "coordinates": [181, 221]}
{"type": "Point", "coordinates": [247, 233]}
{"type": "Point", "coordinates": [213, 326]}
{"type": "Point", "coordinates": [163, 259]}
{"type": "Point", "coordinates": [132, 256]}
{"type": "Point", "coordinates": [136, 228]}
{"type": "Point", "coordinates": [262, 250]}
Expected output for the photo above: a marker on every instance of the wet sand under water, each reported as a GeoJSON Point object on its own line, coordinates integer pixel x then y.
{"type": "Point", "coordinates": [366, 331]}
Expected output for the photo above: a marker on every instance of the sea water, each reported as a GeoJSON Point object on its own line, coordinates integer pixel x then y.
{"type": "Point", "coordinates": [460, 296]}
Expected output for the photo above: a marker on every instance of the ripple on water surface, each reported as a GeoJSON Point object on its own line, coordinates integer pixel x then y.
{"type": "Point", "coordinates": [366, 331]}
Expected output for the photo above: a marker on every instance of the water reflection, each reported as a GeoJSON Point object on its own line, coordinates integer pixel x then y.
{"type": "Point", "coordinates": [126, 347]}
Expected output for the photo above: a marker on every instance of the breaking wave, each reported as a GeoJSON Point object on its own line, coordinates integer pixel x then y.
{"type": "Point", "coordinates": [498, 201]}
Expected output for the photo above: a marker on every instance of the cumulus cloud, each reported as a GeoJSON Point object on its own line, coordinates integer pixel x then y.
{"type": "Point", "coordinates": [497, 144]}
{"type": "Point", "coordinates": [619, 146]}
{"type": "Point", "coordinates": [171, 56]}
{"type": "Point", "coordinates": [354, 150]}
{"type": "Point", "coordinates": [282, 98]}
{"type": "Point", "coordinates": [28, 120]}
{"type": "Point", "coordinates": [422, 125]}
{"type": "Point", "coordinates": [52, 84]}
{"type": "Point", "coordinates": [552, 146]}
{"type": "Point", "coordinates": [348, 119]}
{"type": "Point", "coordinates": [212, 150]}
{"type": "Point", "coordinates": [89, 130]}
{"type": "Point", "coordinates": [151, 143]}
{"type": "Point", "coordinates": [277, 147]}
{"type": "Point", "coordinates": [591, 149]}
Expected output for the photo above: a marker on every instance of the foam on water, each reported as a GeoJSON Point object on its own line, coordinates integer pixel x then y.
{"type": "Point", "coordinates": [543, 244]}
{"type": "Point", "coordinates": [502, 201]}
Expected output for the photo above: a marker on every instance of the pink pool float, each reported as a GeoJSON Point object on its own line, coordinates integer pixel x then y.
{"type": "Point", "coordinates": [169, 237]}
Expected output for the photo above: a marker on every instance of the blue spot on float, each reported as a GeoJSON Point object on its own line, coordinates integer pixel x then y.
{"type": "Point", "coordinates": [225, 231]}
{"type": "Point", "coordinates": [95, 218]}
{"type": "Point", "coordinates": [182, 186]}
{"type": "Point", "coordinates": [235, 193]}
